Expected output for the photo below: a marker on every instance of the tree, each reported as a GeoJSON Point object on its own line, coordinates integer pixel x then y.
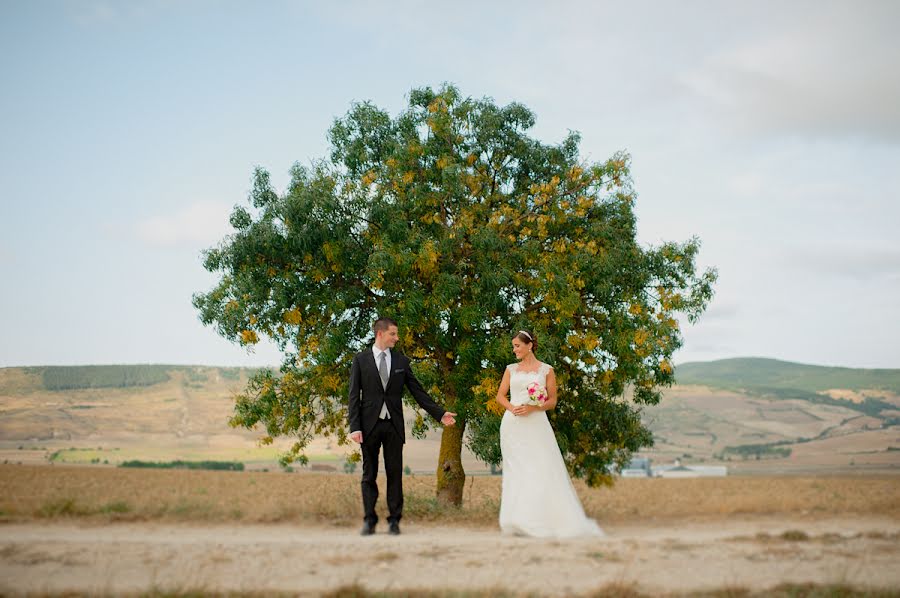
{"type": "Point", "coordinates": [451, 220]}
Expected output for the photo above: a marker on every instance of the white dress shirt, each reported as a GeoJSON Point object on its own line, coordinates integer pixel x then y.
{"type": "Point", "coordinates": [377, 353]}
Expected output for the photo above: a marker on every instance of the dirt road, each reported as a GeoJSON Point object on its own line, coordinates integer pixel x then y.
{"type": "Point", "coordinates": [668, 557]}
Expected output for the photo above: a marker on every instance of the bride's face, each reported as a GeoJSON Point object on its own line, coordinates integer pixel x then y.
{"type": "Point", "coordinates": [520, 348]}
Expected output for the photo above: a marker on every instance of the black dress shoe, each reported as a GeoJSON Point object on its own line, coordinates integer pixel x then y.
{"type": "Point", "coordinates": [367, 530]}
{"type": "Point", "coordinates": [394, 529]}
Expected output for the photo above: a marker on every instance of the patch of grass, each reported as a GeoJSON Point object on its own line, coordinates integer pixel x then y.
{"type": "Point", "coordinates": [795, 535]}
{"type": "Point", "coordinates": [726, 592]}
{"type": "Point", "coordinates": [879, 535]}
{"type": "Point", "coordinates": [161, 592]}
{"type": "Point", "coordinates": [358, 591]}
{"type": "Point", "coordinates": [831, 538]}
{"type": "Point", "coordinates": [61, 507]}
{"type": "Point", "coordinates": [386, 557]}
{"type": "Point", "coordinates": [70, 507]}
{"type": "Point", "coordinates": [119, 506]}
{"type": "Point", "coordinates": [811, 590]}
{"type": "Point", "coordinates": [421, 507]}
{"type": "Point", "coordinates": [189, 510]}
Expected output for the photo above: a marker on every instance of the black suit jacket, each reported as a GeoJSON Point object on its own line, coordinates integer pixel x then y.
{"type": "Point", "coordinates": [367, 395]}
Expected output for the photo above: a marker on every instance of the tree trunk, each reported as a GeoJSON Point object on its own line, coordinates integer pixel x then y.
{"type": "Point", "coordinates": [451, 478]}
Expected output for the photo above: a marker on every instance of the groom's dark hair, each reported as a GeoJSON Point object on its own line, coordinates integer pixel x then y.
{"type": "Point", "coordinates": [383, 324]}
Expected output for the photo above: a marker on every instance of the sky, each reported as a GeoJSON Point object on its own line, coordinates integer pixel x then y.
{"type": "Point", "coordinates": [769, 130]}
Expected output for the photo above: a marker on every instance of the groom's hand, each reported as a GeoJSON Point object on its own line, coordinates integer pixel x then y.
{"type": "Point", "coordinates": [356, 437]}
{"type": "Point", "coordinates": [448, 419]}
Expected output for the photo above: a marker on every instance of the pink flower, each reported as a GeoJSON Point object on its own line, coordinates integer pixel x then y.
{"type": "Point", "coordinates": [537, 393]}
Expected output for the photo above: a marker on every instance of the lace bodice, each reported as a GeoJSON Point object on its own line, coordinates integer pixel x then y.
{"type": "Point", "coordinates": [519, 381]}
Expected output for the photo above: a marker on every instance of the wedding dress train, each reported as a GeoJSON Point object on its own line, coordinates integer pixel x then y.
{"type": "Point", "coordinates": [538, 498]}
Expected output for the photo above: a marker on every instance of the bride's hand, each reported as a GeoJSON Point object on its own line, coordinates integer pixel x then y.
{"type": "Point", "coordinates": [524, 409]}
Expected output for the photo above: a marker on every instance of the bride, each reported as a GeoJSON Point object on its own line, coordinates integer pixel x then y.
{"type": "Point", "coordinates": [538, 498]}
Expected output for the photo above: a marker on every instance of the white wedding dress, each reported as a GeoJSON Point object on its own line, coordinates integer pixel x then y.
{"type": "Point", "coordinates": [538, 497]}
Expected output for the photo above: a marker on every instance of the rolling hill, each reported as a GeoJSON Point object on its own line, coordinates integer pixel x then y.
{"type": "Point", "coordinates": [747, 373]}
{"type": "Point", "coordinates": [115, 413]}
{"type": "Point", "coordinates": [765, 413]}
{"type": "Point", "coordinates": [751, 413]}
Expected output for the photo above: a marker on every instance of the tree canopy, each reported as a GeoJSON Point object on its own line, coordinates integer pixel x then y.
{"type": "Point", "coordinates": [450, 219]}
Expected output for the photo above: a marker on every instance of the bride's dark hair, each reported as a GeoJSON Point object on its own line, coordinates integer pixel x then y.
{"type": "Point", "coordinates": [527, 336]}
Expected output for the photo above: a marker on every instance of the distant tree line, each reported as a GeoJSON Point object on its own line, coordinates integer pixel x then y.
{"type": "Point", "coordinates": [221, 465]}
{"type": "Point", "coordinates": [771, 450]}
{"type": "Point", "coordinates": [868, 406]}
{"type": "Point", "coordinates": [231, 373]}
{"type": "Point", "coordinates": [122, 376]}
{"type": "Point", "coordinates": [103, 376]}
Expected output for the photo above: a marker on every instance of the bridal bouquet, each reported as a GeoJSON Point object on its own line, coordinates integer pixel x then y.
{"type": "Point", "coordinates": [537, 394]}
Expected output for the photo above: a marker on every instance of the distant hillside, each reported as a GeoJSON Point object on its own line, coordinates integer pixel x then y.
{"type": "Point", "coordinates": [49, 402]}
{"type": "Point", "coordinates": [747, 373]}
{"type": "Point", "coordinates": [749, 413]}
{"type": "Point", "coordinates": [108, 414]}
{"type": "Point", "coordinates": [757, 413]}
{"type": "Point", "coordinates": [112, 376]}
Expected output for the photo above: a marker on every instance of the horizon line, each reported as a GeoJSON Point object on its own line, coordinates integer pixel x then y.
{"type": "Point", "coordinates": [278, 366]}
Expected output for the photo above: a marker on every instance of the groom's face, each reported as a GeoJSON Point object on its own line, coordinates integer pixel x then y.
{"type": "Point", "coordinates": [388, 338]}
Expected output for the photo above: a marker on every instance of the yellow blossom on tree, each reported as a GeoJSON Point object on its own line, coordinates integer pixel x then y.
{"type": "Point", "coordinates": [368, 178]}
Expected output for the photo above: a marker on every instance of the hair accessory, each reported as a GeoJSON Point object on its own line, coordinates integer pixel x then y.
{"type": "Point", "coordinates": [526, 334]}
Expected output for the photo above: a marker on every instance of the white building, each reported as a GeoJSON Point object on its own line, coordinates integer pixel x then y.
{"type": "Point", "coordinates": [689, 471]}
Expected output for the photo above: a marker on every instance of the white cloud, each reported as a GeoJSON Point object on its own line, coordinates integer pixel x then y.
{"type": "Point", "coordinates": [710, 340]}
{"type": "Point", "coordinates": [829, 75]}
{"type": "Point", "coordinates": [721, 310]}
{"type": "Point", "coordinates": [198, 223]}
{"type": "Point", "coordinates": [746, 184]}
{"type": "Point", "coordinates": [861, 262]}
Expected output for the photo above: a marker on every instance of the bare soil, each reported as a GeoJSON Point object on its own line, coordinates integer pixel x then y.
{"type": "Point", "coordinates": [748, 553]}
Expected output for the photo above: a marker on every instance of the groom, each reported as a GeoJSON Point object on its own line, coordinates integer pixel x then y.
{"type": "Point", "coordinates": [377, 378]}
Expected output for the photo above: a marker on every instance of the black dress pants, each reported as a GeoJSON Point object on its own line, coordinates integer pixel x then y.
{"type": "Point", "coordinates": [383, 435]}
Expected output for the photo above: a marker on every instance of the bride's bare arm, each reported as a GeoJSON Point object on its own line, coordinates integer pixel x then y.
{"type": "Point", "coordinates": [503, 390]}
{"type": "Point", "coordinates": [551, 391]}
